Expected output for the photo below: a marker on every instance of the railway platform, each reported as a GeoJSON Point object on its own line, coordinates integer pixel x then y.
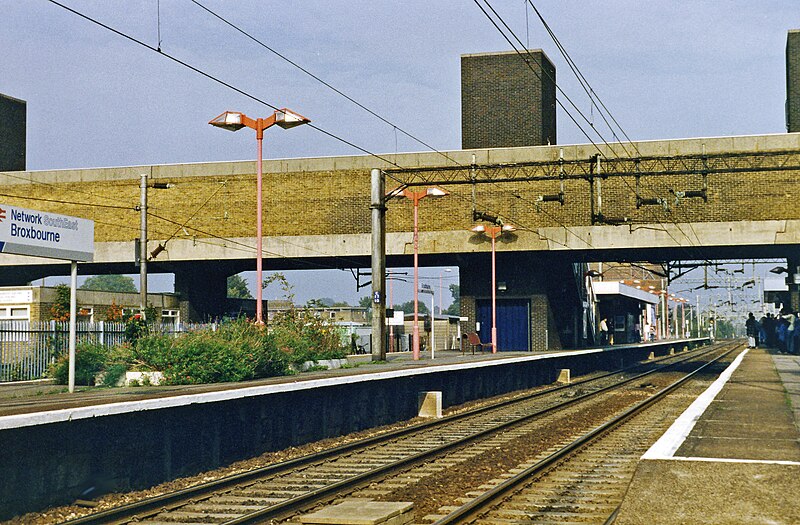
{"type": "Point", "coordinates": [60, 443]}
{"type": "Point", "coordinates": [732, 457]}
{"type": "Point", "coordinates": [29, 397]}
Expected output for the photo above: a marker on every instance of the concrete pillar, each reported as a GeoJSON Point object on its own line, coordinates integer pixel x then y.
{"type": "Point", "coordinates": [203, 290]}
{"type": "Point", "coordinates": [793, 268]}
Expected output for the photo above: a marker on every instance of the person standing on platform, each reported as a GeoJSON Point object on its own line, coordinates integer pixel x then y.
{"type": "Point", "coordinates": [790, 332]}
{"type": "Point", "coordinates": [751, 328]}
{"type": "Point", "coordinates": [603, 331]}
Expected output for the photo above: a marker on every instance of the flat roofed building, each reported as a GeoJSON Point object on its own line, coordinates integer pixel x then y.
{"type": "Point", "coordinates": [12, 133]}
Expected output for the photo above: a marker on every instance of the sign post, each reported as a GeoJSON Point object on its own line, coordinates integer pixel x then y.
{"type": "Point", "coordinates": [44, 234]}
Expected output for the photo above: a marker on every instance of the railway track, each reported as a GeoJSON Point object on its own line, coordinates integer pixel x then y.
{"type": "Point", "coordinates": [286, 488]}
{"type": "Point", "coordinates": [584, 481]}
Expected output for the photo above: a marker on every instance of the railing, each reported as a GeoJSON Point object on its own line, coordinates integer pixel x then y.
{"type": "Point", "coordinates": [28, 348]}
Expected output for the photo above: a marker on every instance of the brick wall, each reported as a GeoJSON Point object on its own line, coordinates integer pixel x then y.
{"type": "Point", "coordinates": [507, 101]}
{"type": "Point", "coordinates": [12, 134]}
{"type": "Point", "coordinates": [793, 81]}
{"type": "Point", "coordinates": [337, 202]}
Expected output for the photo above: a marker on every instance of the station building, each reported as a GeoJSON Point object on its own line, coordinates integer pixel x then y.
{"type": "Point", "coordinates": [34, 303]}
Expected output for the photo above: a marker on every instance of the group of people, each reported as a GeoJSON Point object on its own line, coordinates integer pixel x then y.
{"type": "Point", "coordinates": [774, 331]}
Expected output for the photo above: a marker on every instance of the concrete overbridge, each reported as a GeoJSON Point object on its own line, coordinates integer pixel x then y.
{"type": "Point", "coordinates": [699, 199]}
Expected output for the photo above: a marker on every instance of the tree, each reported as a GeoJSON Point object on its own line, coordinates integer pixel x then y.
{"type": "Point", "coordinates": [408, 307]}
{"type": "Point", "coordinates": [283, 282]}
{"type": "Point", "coordinates": [455, 307]}
{"type": "Point", "coordinates": [59, 311]}
{"type": "Point", "coordinates": [326, 302]}
{"type": "Point", "coordinates": [366, 302]}
{"type": "Point", "coordinates": [110, 283]}
{"type": "Point", "coordinates": [237, 287]}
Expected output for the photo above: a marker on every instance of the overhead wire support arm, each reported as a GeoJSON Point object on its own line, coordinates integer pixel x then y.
{"type": "Point", "coordinates": [697, 164]}
{"type": "Point", "coordinates": [560, 196]}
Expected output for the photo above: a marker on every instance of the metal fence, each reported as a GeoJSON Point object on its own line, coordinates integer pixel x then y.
{"type": "Point", "coordinates": [28, 348]}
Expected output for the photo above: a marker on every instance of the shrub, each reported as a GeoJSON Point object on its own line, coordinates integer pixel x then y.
{"type": "Point", "coordinates": [303, 336]}
{"type": "Point", "coordinates": [236, 351]}
{"type": "Point", "coordinates": [135, 328]}
{"type": "Point", "coordinates": [90, 359]}
{"type": "Point", "coordinates": [113, 373]}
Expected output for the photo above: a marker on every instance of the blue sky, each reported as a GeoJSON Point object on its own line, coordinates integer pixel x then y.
{"type": "Point", "coordinates": [664, 69]}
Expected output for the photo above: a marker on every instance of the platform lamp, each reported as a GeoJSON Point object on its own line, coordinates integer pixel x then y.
{"type": "Point", "coordinates": [234, 121]}
{"type": "Point", "coordinates": [415, 197]}
{"type": "Point", "coordinates": [493, 232]}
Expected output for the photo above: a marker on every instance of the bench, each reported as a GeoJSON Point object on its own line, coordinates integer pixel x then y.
{"type": "Point", "coordinates": [474, 340]}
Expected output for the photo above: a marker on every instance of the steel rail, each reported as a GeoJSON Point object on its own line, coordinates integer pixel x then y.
{"type": "Point", "coordinates": [297, 503]}
{"type": "Point", "coordinates": [478, 506]}
{"type": "Point", "coordinates": [148, 507]}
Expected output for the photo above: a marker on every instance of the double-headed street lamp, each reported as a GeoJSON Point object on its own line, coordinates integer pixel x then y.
{"type": "Point", "coordinates": [415, 197]}
{"type": "Point", "coordinates": [234, 121]}
{"type": "Point", "coordinates": [493, 232]}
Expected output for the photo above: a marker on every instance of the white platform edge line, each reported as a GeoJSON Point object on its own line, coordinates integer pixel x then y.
{"type": "Point", "coordinates": [123, 407]}
{"type": "Point", "coordinates": [732, 460]}
{"type": "Point", "coordinates": [666, 446]}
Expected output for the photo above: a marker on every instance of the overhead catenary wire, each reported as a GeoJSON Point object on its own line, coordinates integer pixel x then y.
{"type": "Point", "coordinates": [594, 98]}
{"type": "Point", "coordinates": [217, 80]}
{"type": "Point", "coordinates": [523, 56]}
{"type": "Point", "coordinates": [220, 81]}
{"type": "Point", "coordinates": [691, 241]}
{"type": "Point", "coordinates": [602, 108]}
{"type": "Point", "coordinates": [323, 82]}
{"type": "Point", "coordinates": [226, 84]}
{"type": "Point", "coordinates": [583, 81]}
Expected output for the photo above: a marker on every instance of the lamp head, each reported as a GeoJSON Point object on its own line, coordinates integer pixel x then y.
{"type": "Point", "coordinates": [230, 120]}
{"type": "Point", "coordinates": [435, 192]}
{"type": "Point", "coordinates": [286, 118]}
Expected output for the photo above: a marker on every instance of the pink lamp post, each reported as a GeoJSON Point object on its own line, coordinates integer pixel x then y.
{"type": "Point", "coordinates": [493, 232]}
{"type": "Point", "coordinates": [415, 197]}
{"type": "Point", "coordinates": [234, 121]}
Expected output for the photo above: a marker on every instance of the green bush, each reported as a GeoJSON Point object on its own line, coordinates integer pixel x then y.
{"type": "Point", "coordinates": [113, 373]}
{"type": "Point", "coordinates": [235, 351]}
{"type": "Point", "coordinates": [90, 359]}
{"type": "Point", "coordinates": [303, 336]}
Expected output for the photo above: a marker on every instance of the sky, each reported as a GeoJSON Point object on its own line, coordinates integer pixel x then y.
{"type": "Point", "coordinates": [96, 99]}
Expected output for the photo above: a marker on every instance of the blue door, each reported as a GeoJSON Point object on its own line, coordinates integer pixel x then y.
{"type": "Point", "coordinates": [513, 323]}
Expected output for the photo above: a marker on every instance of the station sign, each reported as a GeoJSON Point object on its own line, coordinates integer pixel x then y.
{"type": "Point", "coordinates": [45, 234]}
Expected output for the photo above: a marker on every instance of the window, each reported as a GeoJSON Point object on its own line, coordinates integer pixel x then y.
{"type": "Point", "coordinates": [14, 323]}
{"type": "Point", "coordinates": [14, 313]}
{"type": "Point", "coordinates": [129, 312]}
{"type": "Point", "coordinates": [85, 315]}
{"type": "Point", "coordinates": [171, 316]}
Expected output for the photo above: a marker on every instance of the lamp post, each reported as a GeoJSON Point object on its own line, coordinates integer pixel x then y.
{"type": "Point", "coordinates": [415, 197]}
{"type": "Point", "coordinates": [493, 232]}
{"type": "Point", "coordinates": [426, 288]}
{"type": "Point", "coordinates": [446, 270]}
{"type": "Point", "coordinates": [234, 121]}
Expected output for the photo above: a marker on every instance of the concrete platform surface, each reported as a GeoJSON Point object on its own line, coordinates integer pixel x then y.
{"type": "Point", "coordinates": [37, 396]}
{"type": "Point", "coordinates": [732, 458]}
